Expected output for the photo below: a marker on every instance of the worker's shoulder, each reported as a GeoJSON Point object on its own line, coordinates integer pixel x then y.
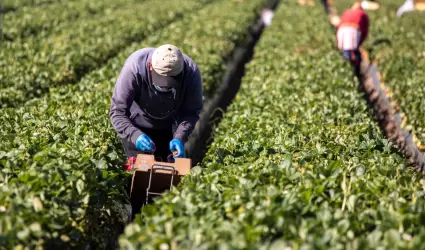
{"type": "Point", "coordinates": [192, 72]}
{"type": "Point", "coordinates": [137, 59]}
{"type": "Point", "coordinates": [190, 64]}
{"type": "Point", "coordinates": [141, 54]}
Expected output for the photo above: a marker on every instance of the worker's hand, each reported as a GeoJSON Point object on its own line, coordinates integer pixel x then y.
{"type": "Point", "coordinates": [145, 143]}
{"type": "Point", "coordinates": [177, 145]}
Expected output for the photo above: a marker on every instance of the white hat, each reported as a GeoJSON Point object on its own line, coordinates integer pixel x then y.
{"type": "Point", "coordinates": [167, 62]}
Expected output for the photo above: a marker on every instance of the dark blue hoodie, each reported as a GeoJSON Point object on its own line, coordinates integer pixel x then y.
{"type": "Point", "coordinates": [136, 104]}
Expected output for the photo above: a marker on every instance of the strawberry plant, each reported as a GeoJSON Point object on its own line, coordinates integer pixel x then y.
{"type": "Point", "coordinates": [298, 162]}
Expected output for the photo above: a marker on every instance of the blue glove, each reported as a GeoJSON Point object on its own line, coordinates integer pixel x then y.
{"type": "Point", "coordinates": [145, 143]}
{"type": "Point", "coordinates": [177, 145]}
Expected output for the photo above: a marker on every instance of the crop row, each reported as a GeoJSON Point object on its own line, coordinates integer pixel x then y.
{"type": "Point", "coordinates": [398, 46]}
{"type": "Point", "coordinates": [297, 161]}
{"type": "Point", "coordinates": [40, 20]}
{"type": "Point", "coordinates": [11, 5]}
{"type": "Point", "coordinates": [60, 157]}
{"type": "Point", "coordinates": [401, 62]}
{"type": "Point", "coordinates": [29, 68]}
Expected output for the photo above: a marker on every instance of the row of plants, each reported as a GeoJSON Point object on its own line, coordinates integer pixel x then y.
{"type": "Point", "coordinates": [385, 109]}
{"type": "Point", "coordinates": [63, 185]}
{"type": "Point", "coordinates": [401, 63]}
{"type": "Point", "coordinates": [31, 67]}
{"type": "Point", "coordinates": [40, 20]}
{"type": "Point", "coordinates": [12, 5]}
{"type": "Point", "coordinates": [397, 46]}
{"type": "Point", "coordinates": [297, 161]}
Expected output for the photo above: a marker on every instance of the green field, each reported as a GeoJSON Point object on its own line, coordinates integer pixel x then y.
{"type": "Point", "coordinates": [297, 162]}
{"type": "Point", "coordinates": [61, 150]}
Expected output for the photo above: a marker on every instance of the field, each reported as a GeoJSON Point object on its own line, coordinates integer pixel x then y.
{"type": "Point", "coordinates": [306, 166]}
{"type": "Point", "coordinates": [297, 161]}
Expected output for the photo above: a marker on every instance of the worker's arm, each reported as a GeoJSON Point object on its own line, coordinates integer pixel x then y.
{"type": "Point", "coordinates": [364, 28]}
{"type": "Point", "coordinates": [122, 99]}
{"type": "Point", "coordinates": [191, 107]}
{"type": "Point", "coordinates": [408, 6]}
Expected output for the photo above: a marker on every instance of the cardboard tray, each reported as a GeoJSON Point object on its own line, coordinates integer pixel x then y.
{"type": "Point", "coordinates": [162, 175]}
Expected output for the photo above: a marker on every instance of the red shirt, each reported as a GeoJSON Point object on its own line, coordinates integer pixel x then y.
{"type": "Point", "coordinates": [356, 18]}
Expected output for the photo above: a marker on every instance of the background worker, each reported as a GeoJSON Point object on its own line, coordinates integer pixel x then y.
{"type": "Point", "coordinates": [411, 5]}
{"type": "Point", "coordinates": [157, 101]}
{"type": "Point", "coordinates": [352, 30]}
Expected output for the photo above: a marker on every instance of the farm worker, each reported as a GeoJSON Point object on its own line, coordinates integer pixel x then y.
{"type": "Point", "coordinates": [157, 101]}
{"type": "Point", "coordinates": [352, 30]}
{"type": "Point", "coordinates": [411, 5]}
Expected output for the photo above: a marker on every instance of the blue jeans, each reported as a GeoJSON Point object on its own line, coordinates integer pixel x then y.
{"type": "Point", "coordinates": [353, 56]}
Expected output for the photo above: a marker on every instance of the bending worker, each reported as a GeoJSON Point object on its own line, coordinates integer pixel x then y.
{"type": "Point", "coordinates": [411, 5]}
{"type": "Point", "coordinates": [157, 101]}
{"type": "Point", "coordinates": [352, 30]}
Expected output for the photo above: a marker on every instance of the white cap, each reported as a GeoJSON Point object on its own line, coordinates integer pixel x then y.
{"type": "Point", "coordinates": [167, 60]}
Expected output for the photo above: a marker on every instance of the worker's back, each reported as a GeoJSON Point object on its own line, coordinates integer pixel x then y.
{"type": "Point", "coordinates": [356, 18]}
